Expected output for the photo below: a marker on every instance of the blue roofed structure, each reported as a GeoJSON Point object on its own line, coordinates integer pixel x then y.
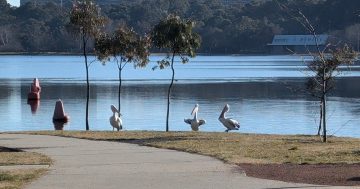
{"type": "Point", "coordinates": [286, 44]}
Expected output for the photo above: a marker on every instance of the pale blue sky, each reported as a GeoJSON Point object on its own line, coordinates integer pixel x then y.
{"type": "Point", "coordinates": [14, 2]}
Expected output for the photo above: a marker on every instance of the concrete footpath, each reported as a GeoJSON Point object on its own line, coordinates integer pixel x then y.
{"type": "Point", "coordinates": [85, 164]}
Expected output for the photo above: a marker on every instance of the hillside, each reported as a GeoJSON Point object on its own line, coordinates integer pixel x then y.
{"type": "Point", "coordinates": [226, 29]}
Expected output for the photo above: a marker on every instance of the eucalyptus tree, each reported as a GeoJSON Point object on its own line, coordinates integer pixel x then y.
{"type": "Point", "coordinates": [177, 38]}
{"type": "Point", "coordinates": [86, 20]}
{"type": "Point", "coordinates": [124, 46]}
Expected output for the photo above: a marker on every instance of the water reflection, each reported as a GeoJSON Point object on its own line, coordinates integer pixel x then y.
{"type": "Point", "coordinates": [59, 125]}
{"type": "Point", "coordinates": [34, 105]}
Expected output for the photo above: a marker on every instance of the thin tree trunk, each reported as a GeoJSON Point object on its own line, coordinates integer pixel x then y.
{"type": "Point", "coordinates": [320, 120]}
{"type": "Point", "coordinates": [324, 118]}
{"type": "Point", "coordinates": [87, 84]}
{"type": "Point", "coordinates": [169, 92]}
{"type": "Point", "coordinates": [120, 84]}
{"type": "Point", "coordinates": [324, 107]}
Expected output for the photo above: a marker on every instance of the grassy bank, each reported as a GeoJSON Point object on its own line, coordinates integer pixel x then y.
{"type": "Point", "coordinates": [237, 148]}
{"type": "Point", "coordinates": [17, 178]}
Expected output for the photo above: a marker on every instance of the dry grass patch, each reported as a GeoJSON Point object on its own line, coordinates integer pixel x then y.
{"type": "Point", "coordinates": [10, 156]}
{"type": "Point", "coordinates": [16, 179]}
{"type": "Point", "coordinates": [237, 148]}
{"type": "Point", "coordinates": [23, 158]}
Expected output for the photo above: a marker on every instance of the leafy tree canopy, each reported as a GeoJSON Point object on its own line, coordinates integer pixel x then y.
{"type": "Point", "coordinates": [177, 37]}
{"type": "Point", "coordinates": [85, 18]}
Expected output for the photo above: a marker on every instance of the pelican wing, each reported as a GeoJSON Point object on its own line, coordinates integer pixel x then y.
{"type": "Point", "coordinates": [188, 121]}
{"type": "Point", "coordinates": [230, 124]}
{"type": "Point", "coordinates": [235, 123]}
{"type": "Point", "coordinates": [202, 122]}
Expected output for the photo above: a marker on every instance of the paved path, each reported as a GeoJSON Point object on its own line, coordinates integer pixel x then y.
{"type": "Point", "coordinates": [85, 164]}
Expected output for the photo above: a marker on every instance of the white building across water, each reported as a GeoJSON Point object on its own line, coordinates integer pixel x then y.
{"type": "Point", "coordinates": [288, 44]}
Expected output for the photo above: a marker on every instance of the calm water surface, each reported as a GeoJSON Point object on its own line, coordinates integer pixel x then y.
{"type": "Point", "coordinates": [265, 93]}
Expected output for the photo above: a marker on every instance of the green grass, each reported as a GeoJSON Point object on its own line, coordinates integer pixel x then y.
{"type": "Point", "coordinates": [237, 148]}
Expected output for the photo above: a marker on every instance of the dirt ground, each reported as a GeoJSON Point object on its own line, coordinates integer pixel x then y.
{"type": "Point", "coordinates": [323, 174]}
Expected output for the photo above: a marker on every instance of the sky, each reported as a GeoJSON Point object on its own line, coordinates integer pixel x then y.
{"type": "Point", "coordinates": [14, 2]}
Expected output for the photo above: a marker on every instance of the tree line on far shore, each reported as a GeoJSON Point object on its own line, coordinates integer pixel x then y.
{"type": "Point", "coordinates": [225, 29]}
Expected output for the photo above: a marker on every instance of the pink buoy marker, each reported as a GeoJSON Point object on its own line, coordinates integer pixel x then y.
{"type": "Point", "coordinates": [35, 90]}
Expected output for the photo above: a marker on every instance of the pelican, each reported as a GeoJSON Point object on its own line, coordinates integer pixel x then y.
{"type": "Point", "coordinates": [195, 122]}
{"type": "Point", "coordinates": [115, 120]}
{"type": "Point", "coordinates": [229, 123]}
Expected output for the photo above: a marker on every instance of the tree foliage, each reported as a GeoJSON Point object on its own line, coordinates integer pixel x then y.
{"type": "Point", "coordinates": [175, 36]}
{"type": "Point", "coordinates": [326, 68]}
{"type": "Point", "coordinates": [85, 18]}
{"type": "Point", "coordinates": [123, 43]}
{"type": "Point", "coordinates": [125, 46]}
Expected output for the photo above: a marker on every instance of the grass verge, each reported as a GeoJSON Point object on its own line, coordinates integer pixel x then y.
{"type": "Point", "coordinates": [23, 158]}
{"type": "Point", "coordinates": [237, 148]}
{"type": "Point", "coordinates": [17, 178]}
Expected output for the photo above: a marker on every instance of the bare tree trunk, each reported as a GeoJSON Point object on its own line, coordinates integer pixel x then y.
{"type": "Point", "coordinates": [320, 120]}
{"type": "Point", "coordinates": [169, 92]}
{"type": "Point", "coordinates": [324, 119]}
{"type": "Point", "coordinates": [324, 108]}
{"type": "Point", "coordinates": [120, 84]}
{"type": "Point", "coordinates": [87, 84]}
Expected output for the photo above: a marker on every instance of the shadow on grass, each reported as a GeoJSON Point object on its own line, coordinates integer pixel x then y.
{"type": "Point", "coordinates": [354, 179]}
{"type": "Point", "coordinates": [23, 149]}
{"type": "Point", "coordinates": [4, 149]}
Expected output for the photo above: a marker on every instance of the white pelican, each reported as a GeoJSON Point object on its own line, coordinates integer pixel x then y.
{"type": "Point", "coordinates": [195, 122]}
{"type": "Point", "coordinates": [115, 120]}
{"type": "Point", "coordinates": [229, 123]}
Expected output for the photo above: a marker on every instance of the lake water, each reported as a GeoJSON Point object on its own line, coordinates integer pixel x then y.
{"type": "Point", "coordinates": [266, 94]}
